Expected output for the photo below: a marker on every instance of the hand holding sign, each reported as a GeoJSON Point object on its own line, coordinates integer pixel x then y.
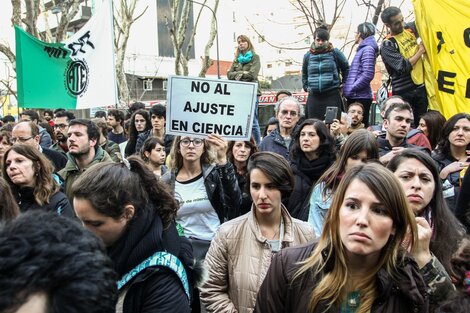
{"type": "Point", "coordinates": [220, 146]}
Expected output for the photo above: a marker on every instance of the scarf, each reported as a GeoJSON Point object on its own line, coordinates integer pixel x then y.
{"type": "Point", "coordinates": [321, 49]}
{"type": "Point", "coordinates": [313, 169]}
{"type": "Point", "coordinates": [143, 237]}
{"type": "Point", "coordinates": [245, 58]}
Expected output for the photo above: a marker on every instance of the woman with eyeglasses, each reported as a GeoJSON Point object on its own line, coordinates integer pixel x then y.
{"type": "Point", "coordinates": [205, 186]}
{"type": "Point", "coordinates": [30, 176]}
{"type": "Point", "coordinates": [241, 252]}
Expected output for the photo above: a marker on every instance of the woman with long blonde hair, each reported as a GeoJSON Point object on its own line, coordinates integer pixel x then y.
{"type": "Point", "coordinates": [359, 264]}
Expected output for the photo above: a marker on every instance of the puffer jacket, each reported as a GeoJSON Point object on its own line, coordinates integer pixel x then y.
{"type": "Point", "coordinates": [362, 70]}
{"type": "Point", "coordinates": [405, 292]}
{"type": "Point", "coordinates": [221, 187]}
{"type": "Point", "coordinates": [320, 72]}
{"type": "Point", "coordinates": [58, 202]}
{"type": "Point", "coordinates": [239, 258]}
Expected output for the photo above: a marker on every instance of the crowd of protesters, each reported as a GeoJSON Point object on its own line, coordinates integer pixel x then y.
{"type": "Point", "coordinates": [315, 216]}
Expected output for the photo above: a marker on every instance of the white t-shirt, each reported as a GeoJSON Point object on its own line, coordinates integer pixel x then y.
{"type": "Point", "coordinates": [196, 214]}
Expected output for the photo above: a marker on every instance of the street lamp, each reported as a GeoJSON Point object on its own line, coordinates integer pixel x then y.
{"type": "Point", "coordinates": [216, 33]}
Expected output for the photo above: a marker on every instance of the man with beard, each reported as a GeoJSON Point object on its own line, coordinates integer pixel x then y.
{"type": "Point", "coordinates": [397, 122]}
{"type": "Point", "coordinates": [61, 125]}
{"type": "Point", "coordinates": [84, 151]}
{"type": "Point", "coordinates": [356, 113]}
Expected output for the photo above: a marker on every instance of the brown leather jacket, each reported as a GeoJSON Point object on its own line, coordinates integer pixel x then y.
{"type": "Point", "coordinates": [279, 293]}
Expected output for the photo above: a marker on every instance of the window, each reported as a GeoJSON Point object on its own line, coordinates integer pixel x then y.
{"type": "Point", "coordinates": [288, 63]}
{"type": "Point", "coordinates": [269, 65]}
{"type": "Point", "coordinates": [148, 84]}
{"type": "Point", "coordinates": [164, 86]}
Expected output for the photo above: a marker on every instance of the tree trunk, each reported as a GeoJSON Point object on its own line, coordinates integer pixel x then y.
{"type": "Point", "coordinates": [207, 61]}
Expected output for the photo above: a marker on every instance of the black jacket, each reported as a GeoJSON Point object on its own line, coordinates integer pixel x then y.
{"type": "Point", "coordinates": [385, 147]}
{"type": "Point", "coordinates": [280, 293]}
{"type": "Point", "coordinates": [306, 174]}
{"type": "Point", "coordinates": [155, 289]}
{"type": "Point", "coordinates": [58, 202]}
{"type": "Point", "coordinates": [143, 136]}
{"type": "Point", "coordinates": [57, 159]}
{"type": "Point", "coordinates": [221, 187]}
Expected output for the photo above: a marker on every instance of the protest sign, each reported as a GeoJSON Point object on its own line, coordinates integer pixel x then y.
{"type": "Point", "coordinates": [198, 107]}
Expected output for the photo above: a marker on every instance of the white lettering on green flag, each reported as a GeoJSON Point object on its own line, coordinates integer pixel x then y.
{"type": "Point", "coordinates": [75, 74]}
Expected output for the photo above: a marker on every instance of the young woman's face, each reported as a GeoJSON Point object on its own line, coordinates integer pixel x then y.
{"type": "Point", "coordinates": [418, 183]}
{"type": "Point", "coordinates": [270, 128]}
{"type": "Point", "coordinates": [4, 145]}
{"type": "Point", "coordinates": [357, 159]}
{"type": "Point", "coordinates": [157, 155]}
{"type": "Point", "coordinates": [460, 134]}
{"type": "Point", "coordinates": [309, 140]}
{"type": "Point", "coordinates": [140, 123]}
{"type": "Point", "coordinates": [107, 228]}
{"type": "Point", "coordinates": [364, 223]}
{"type": "Point", "coordinates": [191, 149]}
{"type": "Point", "coordinates": [241, 151]}
{"type": "Point", "coordinates": [242, 45]}
{"type": "Point", "coordinates": [20, 169]}
{"type": "Point", "coordinates": [266, 197]}
{"type": "Point", "coordinates": [423, 127]}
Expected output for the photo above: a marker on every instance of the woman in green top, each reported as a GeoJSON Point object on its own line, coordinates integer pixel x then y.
{"type": "Point", "coordinates": [245, 68]}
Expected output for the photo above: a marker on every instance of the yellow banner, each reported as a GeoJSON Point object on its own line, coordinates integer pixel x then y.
{"type": "Point", "coordinates": [444, 27]}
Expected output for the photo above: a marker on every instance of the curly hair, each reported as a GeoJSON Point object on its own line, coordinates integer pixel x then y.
{"type": "Point", "coordinates": [110, 187]}
{"type": "Point", "coordinates": [41, 253]}
{"type": "Point", "coordinates": [133, 133]}
{"type": "Point", "coordinates": [45, 185]}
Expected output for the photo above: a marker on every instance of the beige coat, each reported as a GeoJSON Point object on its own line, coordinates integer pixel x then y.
{"type": "Point", "coordinates": [239, 258]}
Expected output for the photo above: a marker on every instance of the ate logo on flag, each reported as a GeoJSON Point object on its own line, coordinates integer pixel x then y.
{"type": "Point", "coordinates": [77, 71]}
{"type": "Point", "coordinates": [76, 77]}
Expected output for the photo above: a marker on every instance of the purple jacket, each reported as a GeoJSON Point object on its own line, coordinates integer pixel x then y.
{"type": "Point", "coordinates": [362, 70]}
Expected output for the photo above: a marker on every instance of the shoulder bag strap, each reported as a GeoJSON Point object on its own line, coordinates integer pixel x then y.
{"type": "Point", "coordinates": [159, 258]}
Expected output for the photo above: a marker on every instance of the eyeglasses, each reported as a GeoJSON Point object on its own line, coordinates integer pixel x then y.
{"type": "Point", "coordinates": [13, 139]}
{"type": "Point", "coordinates": [196, 142]}
{"type": "Point", "coordinates": [291, 113]}
{"type": "Point", "coordinates": [61, 126]}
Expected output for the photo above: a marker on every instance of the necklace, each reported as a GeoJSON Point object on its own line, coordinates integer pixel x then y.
{"type": "Point", "coordinates": [353, 299]}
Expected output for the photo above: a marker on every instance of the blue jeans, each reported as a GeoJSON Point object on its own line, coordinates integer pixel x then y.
{"type": "Point", "coordinates": [255, 129]}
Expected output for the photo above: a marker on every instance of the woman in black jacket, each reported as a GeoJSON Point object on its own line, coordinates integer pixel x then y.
{"type": "Point", "coordinates": [312, 154]}
{"type": "Point", "coordinates": [31, 179]}
{"type": "Point", "coordinates": [126, 206]}
{"type": "Point", "coordinates": [359, 264]}
{"type": "Point", "coordinates": [204, 183]}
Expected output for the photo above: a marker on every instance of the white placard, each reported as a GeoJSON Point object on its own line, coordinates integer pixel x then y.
{"type": "Point", "coordinates": [198, 107]}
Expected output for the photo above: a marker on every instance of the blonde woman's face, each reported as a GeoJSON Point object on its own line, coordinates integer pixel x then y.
{"type": "Point", "coordinates": [364, 222]}
{"type": "Point", "coordinates": [242, 45]}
